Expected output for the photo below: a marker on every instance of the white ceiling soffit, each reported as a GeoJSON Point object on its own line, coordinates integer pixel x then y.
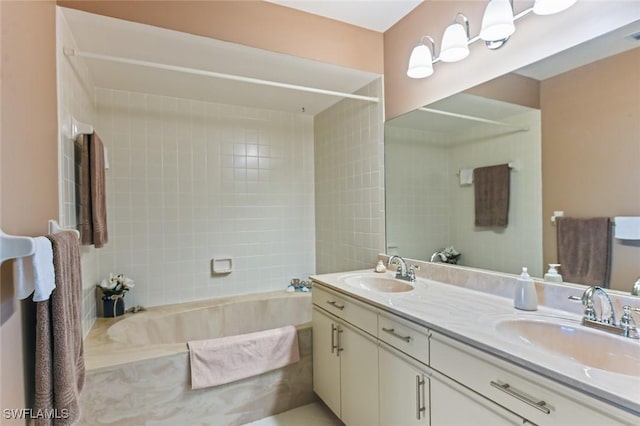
{"type": "Point", "coordinates": [606, 45]}
{"type": "Point", "coordinates": [376, 15]}
{"type": "Point", "coordinates": [461, 103]}
{"type": "Point", "coordinates": [116, 37]}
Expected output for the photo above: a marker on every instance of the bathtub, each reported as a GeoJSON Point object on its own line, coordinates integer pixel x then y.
{"type": "Point", "coordinates": [138, 365]}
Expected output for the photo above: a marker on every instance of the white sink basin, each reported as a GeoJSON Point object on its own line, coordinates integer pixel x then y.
{"type": "Point", "coordinates": [589, 347]}
{"type": "Point", "coordinates": [375, 282]}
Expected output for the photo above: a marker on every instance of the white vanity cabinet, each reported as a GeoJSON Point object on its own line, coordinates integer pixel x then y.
{"type": "Point", "coordinates": [532, 397]}
{"type": "Point", "coordinates": [372, 368]}
{"type": "Point", "coordinates": [345, 358]}
{"type": "Point", "coordinates": [404, 389]}
{"type": "Point", "coordinates": [454, 405]}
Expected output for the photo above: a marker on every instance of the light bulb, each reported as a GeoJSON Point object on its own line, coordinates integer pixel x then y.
{"type": "Point", "coordinates": [497, 22]}
{"type": "Point", "coordinates": [420, 62]}
{"type": "Point", "coordinates": [454, 45]}
{"type": "Point", "coordinates": [549, 7]}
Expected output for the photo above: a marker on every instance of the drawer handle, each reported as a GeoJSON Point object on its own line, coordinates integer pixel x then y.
{"type": "Point", "coordinates": [335, 304]}
{"type": "Point", "coordinates": [419, 407]}
{"type": "Point", "coordinates": [508, 389]}
{"type": "Point", "coordinates": [392, 331]}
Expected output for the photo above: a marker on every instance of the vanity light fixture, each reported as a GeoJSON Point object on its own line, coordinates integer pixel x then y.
{"type": "Point", "coordinates": [498, 24]}
{"type": "Point", "coordinates": [421, 60]}
{"type": "Point", "coordinates": [455, 41]}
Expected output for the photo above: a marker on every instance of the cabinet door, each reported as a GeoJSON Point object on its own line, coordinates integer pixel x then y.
{"type": "Point", "coordinates": [404, 391]}
{"type": "Point", "coordinates": [454, 405]}
{"type": "Point", "coordinates": [359, 377]}
{"type": "Point", "coordinates": [326, 364]}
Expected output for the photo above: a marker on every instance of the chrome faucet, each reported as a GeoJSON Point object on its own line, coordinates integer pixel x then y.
{"type": "Point", "coordinates": [607, 319]}
{"type": "Point", "coordinates": [403, 272]}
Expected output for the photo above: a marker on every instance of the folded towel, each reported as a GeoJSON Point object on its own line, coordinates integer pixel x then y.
{"type": "Point", "coordinates": [466, 176]}
{"type": "Point", "coordinates": [93, 206]}
{"type": "Point", "coordinates": [492, 195]}
{"type": "Point", "coordinates": [227, 359]}
{"type": "Point", "coordinates": [34, 274]}
{"type": "Point", "coordinates": [59, 359]}
{"type": "Point", "coordinates": [584, 249]}
{"type": "Point", "coordinates": [627, 227]}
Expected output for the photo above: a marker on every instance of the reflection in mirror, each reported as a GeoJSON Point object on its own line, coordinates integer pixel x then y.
{"type": "Point", "coordinates": [568, 125]}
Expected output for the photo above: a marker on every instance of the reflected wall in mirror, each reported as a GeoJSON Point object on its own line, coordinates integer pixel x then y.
{"type": "Point", "coordinates": [570, 125]}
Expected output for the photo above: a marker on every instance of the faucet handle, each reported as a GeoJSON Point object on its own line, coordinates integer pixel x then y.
{"type": "Point", "coordinates": [411, 271]}
{"type": "Point", "coordinates": [589, 311]}
{"type": "Point", "coordinates": [627, 322]}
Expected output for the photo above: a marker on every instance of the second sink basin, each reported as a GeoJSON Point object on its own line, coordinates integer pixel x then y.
{"type": "Point", "coordinates": [592, 348]}
{"type": "Point", "coordinates": [379, 283]}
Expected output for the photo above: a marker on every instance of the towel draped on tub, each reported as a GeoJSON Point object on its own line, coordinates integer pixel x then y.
{"type": "Point", "coordinates": [227, 359]}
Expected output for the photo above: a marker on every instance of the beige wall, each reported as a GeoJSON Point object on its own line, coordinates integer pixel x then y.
{"type": "Point", "coordinates": [29, 171]}
{"type": "Point", "coordinates": [511, 88]}
{"type": "Point", "coordinates": [257, 24]}
{"type": "Point", "coordinates": [592, 170]}
{"type": "Point", "coordinates": [536, 37]}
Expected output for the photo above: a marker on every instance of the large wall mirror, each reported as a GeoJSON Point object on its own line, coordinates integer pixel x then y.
{"type": "Point", "coordinates": [569, 126]}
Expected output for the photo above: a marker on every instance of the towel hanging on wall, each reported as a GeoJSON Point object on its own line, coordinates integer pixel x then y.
{"type": "Point", "coordinates": [93, 205]}
{"type": "Point", "coordinates": [491, 192]}
{"type": "Point", "coordinates": [584, 249]}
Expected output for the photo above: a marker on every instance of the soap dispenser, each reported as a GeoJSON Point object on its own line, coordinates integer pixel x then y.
{"type": "Point", "coordinates": [525, 297]}
{"type": "Point", "coordinates": [552, 274]}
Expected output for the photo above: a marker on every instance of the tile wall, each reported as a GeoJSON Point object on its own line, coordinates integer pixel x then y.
{"type": "Point", "coordinates": [519, 244]}
{"type": "Point", "coordinates": [75, 98]}
{"type": "Point", "coordinates": [349, 183]}
{"type": "Point", "coordinates": [190, 181]}
{"type": "Point", "coordinates": [418, 198]}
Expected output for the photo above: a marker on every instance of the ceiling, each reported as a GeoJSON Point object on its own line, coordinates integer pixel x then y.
{"type": "Point", "coordinates": [115, 37]}
{"type": "Point", "coordinates": [376, 15]}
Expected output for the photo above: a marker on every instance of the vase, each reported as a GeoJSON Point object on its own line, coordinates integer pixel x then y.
{"type": "Point", "coordinates": [113, 305]}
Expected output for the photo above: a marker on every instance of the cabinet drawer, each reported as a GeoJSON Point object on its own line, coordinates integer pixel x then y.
{"type": "Point", "coordinates": [358, 314]}
{"type": "Point", "coordinates": [528, 394]}
{"type": "Point", "coordinates": [404, 336]}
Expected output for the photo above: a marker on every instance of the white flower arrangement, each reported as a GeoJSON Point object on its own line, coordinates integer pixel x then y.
{"type": "Point", "coordinates": [116, 284]}
{"type": "Point", "coordinates": [449, 255]}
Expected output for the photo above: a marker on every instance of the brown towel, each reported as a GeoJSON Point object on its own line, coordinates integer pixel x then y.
{"type": "Point", "coordinates": [93, 205]}
{"type": "Point", "coordinates": [491, 187]}
{"type": "Point", "coordinates": [584, 249]}
{"type": "Point", "coordinates": [59, 348]}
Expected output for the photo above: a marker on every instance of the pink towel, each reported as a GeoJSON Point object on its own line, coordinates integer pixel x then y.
{"type": "Point", "coordinates": [227, 359]}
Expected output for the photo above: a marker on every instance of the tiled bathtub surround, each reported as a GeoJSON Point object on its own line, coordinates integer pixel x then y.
{"type": "Point", "coordinates": [75, 98]}
{"type": "Point", "coordinates": [349, 183]}
{"type": "Point", "coordinates": [191, 181]}
{"type": "Point", "coordinates": [138, 367]}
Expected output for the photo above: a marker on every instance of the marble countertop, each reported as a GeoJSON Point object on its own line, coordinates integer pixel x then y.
{"type": "Point", "coordinates": [470, 316]}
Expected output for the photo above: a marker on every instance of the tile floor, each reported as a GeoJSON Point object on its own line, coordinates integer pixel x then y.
{"type": "Point", "coordinates": [315, 414]}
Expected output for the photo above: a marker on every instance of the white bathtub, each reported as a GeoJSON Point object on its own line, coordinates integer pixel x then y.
{"type": "Point", "coordinates": [138, 365]}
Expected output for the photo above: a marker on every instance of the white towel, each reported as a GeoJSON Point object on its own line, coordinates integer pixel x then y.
{"type": "Point", "coordinates": [34, 274]}
{"type": "Point", "coordinates": [466, 176]}
{"type": "Point", "coordinates": [227, 359]}
{"type": "Point", "coordinates": [627, 227]}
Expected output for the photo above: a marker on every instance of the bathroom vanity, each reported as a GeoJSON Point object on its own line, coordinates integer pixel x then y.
{"type": "Point", "coordinates": [437, 354]}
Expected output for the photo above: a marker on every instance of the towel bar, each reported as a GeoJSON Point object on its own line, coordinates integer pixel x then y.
{"type": "Point", "coordinates": [54, 228]}
{"type": "Point", "coordinates": [12, 246]}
